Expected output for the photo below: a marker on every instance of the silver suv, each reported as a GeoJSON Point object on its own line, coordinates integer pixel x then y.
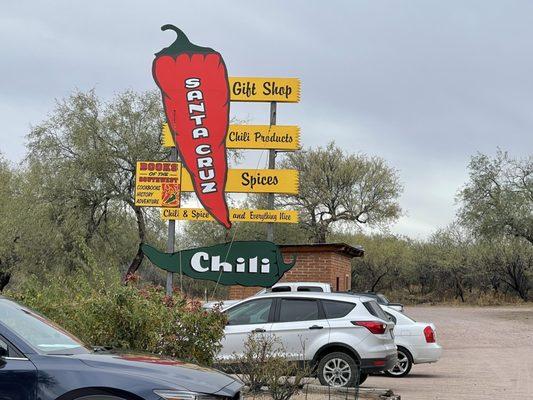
{"type": "Point", "coordinates": [342, 336]}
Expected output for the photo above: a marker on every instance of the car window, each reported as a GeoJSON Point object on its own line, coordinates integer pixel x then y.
{"type": "Point", "coordinates": [407, 318]}
{"type": "Point", "coordinates": [41, 333]}
{"type": "Point", "coordinates": [374, 309]}
{"type": "Point", "coordinates": [337, 309]}
{"type": "Point", "coordinates": [377, 298]}
{"type": "Point", "coordinates": [7, 349]}
{"type": "Point", "coordinates": [4, 348]}
{"type": "Point", "coordinates": [309, 289]}
{"type": "Point", "coordinates": [382, 299]}
{"type": "Point", "coordinates": [281, 289]}
{"type": "Point", "coordinates": [369, 295]}
{"type": "Point", "coordinates": [391, 317]}
{"type": "Point", "coordinates": [292, 310]}
{"type": "Point", "coordinates": [251, 312]}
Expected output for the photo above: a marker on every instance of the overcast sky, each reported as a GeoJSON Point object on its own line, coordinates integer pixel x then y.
{"type": "Point", "coordinates": [424, 84]}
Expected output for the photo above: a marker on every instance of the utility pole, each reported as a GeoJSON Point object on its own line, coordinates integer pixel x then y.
{"type": "Point", "coordinates": [271, 165]}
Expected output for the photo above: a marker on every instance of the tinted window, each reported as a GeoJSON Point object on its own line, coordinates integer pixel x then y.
{"type": "Point", "coordinates": [374, 309]}
{"type": "Point", "coordinates": [281, 289]}
{"type": "Point", "coordinates": [7, 349]}
{"type": "Point", "coordinates": [4, 349]}
{"type": "Point", "coordinates": [310, 289]}
{"type": "Point", "coordinates": [251, 312]}
{"type": "Point", "coordinates": [337, 309]}
{"type": "Point", "coordinates": [292, 310]}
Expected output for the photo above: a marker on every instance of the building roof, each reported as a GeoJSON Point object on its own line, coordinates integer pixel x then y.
{"type": "Point", "coordinates": [341, 248]}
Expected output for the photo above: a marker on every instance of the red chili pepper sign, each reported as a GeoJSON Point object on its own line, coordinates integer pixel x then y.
{"type": "Point", "coordinates": [194, 84]}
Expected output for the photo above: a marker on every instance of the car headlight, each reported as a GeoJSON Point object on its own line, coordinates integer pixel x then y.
{"type": "Point", "coordinates": [184, 395]}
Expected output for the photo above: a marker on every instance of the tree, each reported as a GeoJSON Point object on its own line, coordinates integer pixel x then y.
{"type": "Point", "coordinates": [8, 235]}
{"type": "Point", "coordinates": [336, 187]}
{"type": "Point", "coordinates": [451, 248]}
{"type": "Point", "coordinates": [85, 155]}
{"type": "Point", "coordinates": [498, 199]}
{"type": "Point", "coordinates": [385, 257]}
{"type": "Point", "coordinates": [509, 261]}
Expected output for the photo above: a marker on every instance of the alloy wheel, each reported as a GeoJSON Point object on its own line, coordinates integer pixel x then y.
{"type": "Point", "coordinates": [337, 372]}
{"type": "Point", "coordinates": [401, 366]}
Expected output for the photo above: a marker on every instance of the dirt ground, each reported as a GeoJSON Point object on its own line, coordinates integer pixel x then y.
{"type": "Point", "coordinates": [488, 354]}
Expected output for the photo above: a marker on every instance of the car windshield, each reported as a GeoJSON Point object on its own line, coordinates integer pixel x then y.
{"type": "Point", "coordinates": [374, 309]}
{"type": "Point", "coordinates": [382, 299]}
{"type": "Point", "coordinates": [43, 335]}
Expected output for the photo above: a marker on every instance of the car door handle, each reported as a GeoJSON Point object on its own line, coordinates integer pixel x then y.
{"type": "Point", "coordinates": [259, 330]}
{"type": "Point", "coordinates": [316, 327]}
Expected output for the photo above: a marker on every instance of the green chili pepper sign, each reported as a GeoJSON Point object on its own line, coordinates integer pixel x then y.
{"type": "Point", "coordinates": [244, 263]}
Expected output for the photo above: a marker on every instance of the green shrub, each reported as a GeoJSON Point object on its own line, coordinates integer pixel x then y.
{"type": "Point", "coordinates": [263, 364]}
{"type": "Point", "coordinates": [104, 312]}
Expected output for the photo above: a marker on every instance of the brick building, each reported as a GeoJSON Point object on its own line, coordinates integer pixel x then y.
{"type": "Point", "coordinates": [327, 263]}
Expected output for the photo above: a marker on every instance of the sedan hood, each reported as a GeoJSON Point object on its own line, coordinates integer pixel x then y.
{"type": "Point", "coordinates": [176, 373]}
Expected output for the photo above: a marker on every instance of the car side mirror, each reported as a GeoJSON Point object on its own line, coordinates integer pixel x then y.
{"type": "Point", "coordinates": [3, 353]}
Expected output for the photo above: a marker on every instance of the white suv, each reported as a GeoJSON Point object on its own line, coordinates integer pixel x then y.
{"type": "Point", "coordinates": [342, 336]}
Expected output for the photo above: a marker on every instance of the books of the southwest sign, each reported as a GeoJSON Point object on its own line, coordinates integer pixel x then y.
{"type": "Point", "coordinates": [245, 263]}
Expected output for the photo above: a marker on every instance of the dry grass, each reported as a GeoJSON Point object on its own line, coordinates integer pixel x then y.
{"type": "Point", "coordinates": [472, 298]}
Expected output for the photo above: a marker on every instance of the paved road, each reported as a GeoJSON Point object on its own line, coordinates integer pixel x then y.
{"type": "Point", "coordinates": [488, 354]}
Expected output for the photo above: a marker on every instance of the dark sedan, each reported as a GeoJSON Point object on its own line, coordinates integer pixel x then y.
{"type": "Point", "coordinates": [40, 361]}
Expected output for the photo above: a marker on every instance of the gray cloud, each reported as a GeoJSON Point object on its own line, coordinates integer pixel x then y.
{"type": "Point", "coordinates": [424, 84]}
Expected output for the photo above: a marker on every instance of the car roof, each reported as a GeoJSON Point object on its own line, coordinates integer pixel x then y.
{"type": "Point", "coordinates": [317, 295]}
{"type": "Point", "coordinates": [301, 284]}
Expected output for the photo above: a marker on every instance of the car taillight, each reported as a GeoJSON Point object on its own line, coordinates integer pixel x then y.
{"type": "Point", "coordinates": [373, 326]}
{"type": "Point", "coordinates": [429, 334]}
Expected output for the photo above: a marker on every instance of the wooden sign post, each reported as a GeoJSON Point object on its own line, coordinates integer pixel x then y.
{"type": "Point", "coordinates": [271, 165]}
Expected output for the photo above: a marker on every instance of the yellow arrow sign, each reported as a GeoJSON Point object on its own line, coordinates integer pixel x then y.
{"type": "Point", "coordinates": [284, 181]}
{"type": "Point", "coordinates": [235, 215]}
{"type": "Point", "coordinates": [268, 137]}
{"type": "Point", "coordinates": [286, 90]}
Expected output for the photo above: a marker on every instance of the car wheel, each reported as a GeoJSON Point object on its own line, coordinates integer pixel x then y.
{"type": "Point", "coordinates": [403, 366]}
{"type": "Point", "coordinates": [338, 370]}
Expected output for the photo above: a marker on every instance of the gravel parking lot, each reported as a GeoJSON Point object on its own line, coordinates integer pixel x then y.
{"type": "Point", "coordinates": [488, 354]}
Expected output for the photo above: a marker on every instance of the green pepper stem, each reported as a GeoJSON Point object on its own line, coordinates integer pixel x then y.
{"type": "Point", "coordinates": [182, 44]}
{"type": "Point", "coordinates": [181, 36]}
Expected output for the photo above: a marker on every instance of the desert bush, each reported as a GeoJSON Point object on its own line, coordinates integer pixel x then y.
{"type": "Point", "coordinates": [103, 312]}
{"type": "Point", "coordinates": [263, 364]}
